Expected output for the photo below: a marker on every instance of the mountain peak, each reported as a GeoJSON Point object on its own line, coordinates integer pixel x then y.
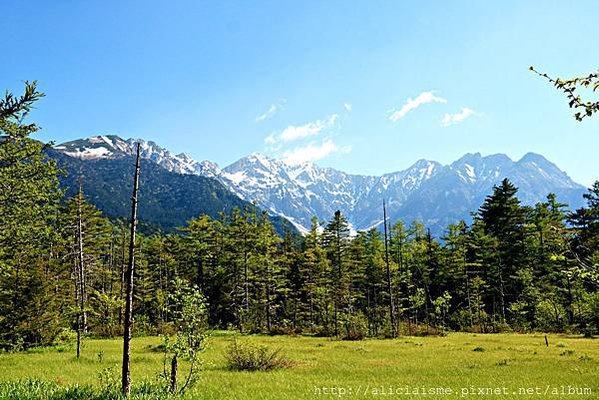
{"type": "Point", "coordinates": [419, 172]}
{"type": "Point", "coordinates": [469, 157]}
{"type": "Point", "coordinates": [113, 146]}
{"type": "Point", "coordinates": [422, 163]}
{"type": "Point", "coordinates": [258, 157]}
{"type": "Point", "coordinates": [539, 164]}
{"type": "Point", "coordinates": [499, 158]}
{"type": "Point", "coordinates": [533, 157]}
{"type": "Point", "coordinates": [93, 147]}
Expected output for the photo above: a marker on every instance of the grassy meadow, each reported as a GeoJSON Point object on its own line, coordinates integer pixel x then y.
{"type": "Point", "coordinates": [325, 368]}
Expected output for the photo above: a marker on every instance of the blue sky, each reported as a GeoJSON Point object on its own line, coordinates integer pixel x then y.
{"type": "Point", "coordinates": [364, 86]}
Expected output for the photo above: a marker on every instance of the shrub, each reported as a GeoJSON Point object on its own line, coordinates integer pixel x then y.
{"type": "Point", "coordinates": [66, 336]}
{"type": "Point", "coordinates": [550, 316]}
{"type": "Point", "coordinates": [420, 330]}
{"type": "Point", "coordinates": [247, 357]}
{"type": "Point", "coordinates": [143, 326]}
{"type": "Point", "coordinates": [501, 327]}
{"type": "Point", "coordinates": [355, 327]}
{"type": "Point", "coordinates": [284, 328]}
{"type": "Point", "coordinates": [189, 314]}
{"type": "Point", "coordinates": [323, 331]}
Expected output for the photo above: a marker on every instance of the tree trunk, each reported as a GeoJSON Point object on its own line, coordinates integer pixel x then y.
{"type": "Point", "coordinates": [174, 372]}
{"type": "Point", "coordinates": [126, 373]}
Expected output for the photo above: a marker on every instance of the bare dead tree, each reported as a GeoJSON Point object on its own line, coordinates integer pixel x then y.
{"type": "Point", "coordinates": [126, 373]}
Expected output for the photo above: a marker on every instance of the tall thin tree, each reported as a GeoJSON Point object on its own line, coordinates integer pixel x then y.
{"type": "Point", "coordinates": [81, 317]}
{"type": "Point", "coordinates": [388, 270]}
{"type": "Point", "coordinates": [126, 374]}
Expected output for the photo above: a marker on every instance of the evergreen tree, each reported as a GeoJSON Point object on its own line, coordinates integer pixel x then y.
{"type": "Point", "coordinates": [28, 199]}
{"type": "Point", "coordinates": [315, 268]}
{"type": "Point", "coordinates": [336, 242]}
{"type": "Point", "coordinates": [503, 219]}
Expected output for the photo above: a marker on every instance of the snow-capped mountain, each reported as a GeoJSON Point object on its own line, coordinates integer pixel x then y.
{"type": "Point", "coordinates": [428, 191]}
{"type": "Point", "coordinates": [109, 146]}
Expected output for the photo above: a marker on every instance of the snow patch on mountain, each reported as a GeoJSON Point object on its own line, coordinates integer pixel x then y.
{"type": "Point", "coordinates": [87, 154]}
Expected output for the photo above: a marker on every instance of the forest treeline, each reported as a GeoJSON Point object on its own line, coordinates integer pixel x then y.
{"type": "Point", "coordinates": [62, 265]}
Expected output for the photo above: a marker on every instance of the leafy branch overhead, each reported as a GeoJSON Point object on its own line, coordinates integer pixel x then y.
{"type": "Point", "coordinates": [569, 87]}
{"type": "Point", "coordinates": [12, 106]}
{"type": "Point", "coordinates": [13, 109]}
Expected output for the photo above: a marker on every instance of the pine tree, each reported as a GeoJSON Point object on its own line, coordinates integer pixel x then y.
{"type": "Point", "coordinates": [336, 242]}
{"type": "Point", "coordinates": [456, 272]}
{"type": "Point", "coordinates": [315, 267]}
{"type": "Point", "coordinates": [375, 284]}
{"type": "Point", "coordinates": [400, 256]}
{"type": "Point", "coordinates": [269, 273]}
{"type": "Point", "coordinates": [88, 238]}
{"type": "Point", "coordinates": [240, 240]}
{"type": "Point", "coordinates": [28, 199]}
{"type": "Point", "coordinates": [504, 220]}
{"type": "Point", "coordinates": [389, 282]}
{"type": "Point", "coordinates": [294, 294]}
{"type": "Point", "coordinates": [586, 222]}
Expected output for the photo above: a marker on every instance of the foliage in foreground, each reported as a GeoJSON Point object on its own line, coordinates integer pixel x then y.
{"type": "Point", "coordinates": [35, 389]}
{"type": "Point", "coordinates": [571, 87]}
{"type": "Point", "coordinates": [188, 310]}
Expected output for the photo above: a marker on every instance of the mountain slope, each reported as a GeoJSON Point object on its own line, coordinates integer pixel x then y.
{"type": "Point", "coordinates": [428, 191]}
{"type": "Point", "coordinates": [167, 199]}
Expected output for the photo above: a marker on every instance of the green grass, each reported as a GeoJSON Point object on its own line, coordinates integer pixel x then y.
{"type": "Point", "coordinates": [455, 361]}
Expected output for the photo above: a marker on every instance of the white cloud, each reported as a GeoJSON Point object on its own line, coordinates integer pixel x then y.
{"type": "Point", "coordinates": [347, 106]}
{"type": "Point", "coordinates": [451, 119]}
{"type": "Point", "coordinates": [271, 139]}
{"type": "Point", "coordinates": [293, 132]}
{"type": "Point", "coordinates": [272, 110]}
{"type": "Point", "coordinates": [313, 152]}
{"type": "Point", "coordinates": [412, 104]}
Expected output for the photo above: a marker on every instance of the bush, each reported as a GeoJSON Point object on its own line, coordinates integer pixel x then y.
{"type": "Point", "coordinates": [323, 331]}
{"type": "Point", "coordinates": [65, 336]}
{"type": "Point", "coordinates": [355, 327]}
{"type": "Point", "coordinates": [284, 328]}
{"type": "Point", "coordinates": [142, 326]}
{"type": "Point", "coordinates": [189, 314]}
{"type": "Point", "coordinates": [550, 316]}
{"type": "Point", "coordinates": [247, 357]}
{"type": "Point", "coordinates": [501, 327]}
{"type": "Point", "coordinates": [419, 330]}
